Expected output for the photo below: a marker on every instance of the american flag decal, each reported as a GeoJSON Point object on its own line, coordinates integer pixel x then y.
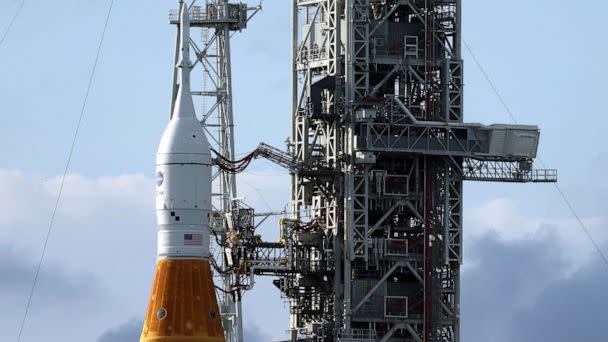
{"type": "Point", "coordinates": [193, 239]}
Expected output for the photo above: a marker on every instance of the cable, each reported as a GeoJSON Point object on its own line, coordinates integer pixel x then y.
{"type": "Point", "coordinates": [65, 172]}
{"type": "Point", "coordinates": [557, 187]}
{"type": "Point", "coordinates": [487, 77]}
{"type": "Point", "coordinates": [258, 192]}
{"type": "Point", "coordinates": [247, 157]}
{"type": "Point", "coordinates": [580, 222]}
{"type": "Point", "coordinates": [10, 24]}
{"type": "Point", "coordinates": [233, 166]}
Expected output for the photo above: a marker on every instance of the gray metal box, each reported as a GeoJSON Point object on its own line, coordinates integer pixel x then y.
{"type": "Point", "coordinates": [514, 140]}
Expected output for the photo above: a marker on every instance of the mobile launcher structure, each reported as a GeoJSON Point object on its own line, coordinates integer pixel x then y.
{"type": "Point", "coordinates": [371, 249]}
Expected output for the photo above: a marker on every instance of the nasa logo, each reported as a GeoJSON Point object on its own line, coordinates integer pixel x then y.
{"type": "Point", "coordinates": [159, 178]}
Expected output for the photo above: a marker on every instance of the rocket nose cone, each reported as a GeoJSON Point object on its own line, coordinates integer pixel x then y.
{"type": "Point", "coordinates": [183, 136]}
{"type": "Point", "coordinates": [184, 15]}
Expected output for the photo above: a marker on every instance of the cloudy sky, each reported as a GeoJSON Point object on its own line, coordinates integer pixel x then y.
{"type": "Point", "coordinates": [529, 273]}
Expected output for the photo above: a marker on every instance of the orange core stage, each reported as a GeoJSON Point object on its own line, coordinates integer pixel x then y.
{"type": "Point", "coordinates": [183, 306]}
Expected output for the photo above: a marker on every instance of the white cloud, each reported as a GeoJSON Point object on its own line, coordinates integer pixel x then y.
{"type": "Point", "coordinates": [518, 293]}
{"type": "Point", "coordinates": [105, 231]}
{"type": "Point", "coordinates": [19, 198]}
{"type": "Point", "coordinates": [504, 219]}
{"type": "Point", "coordinates": [82, 196]}
{"type": "Point", "coordinates": [127, 332]}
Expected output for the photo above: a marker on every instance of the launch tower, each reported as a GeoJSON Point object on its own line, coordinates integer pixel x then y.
{"type": "Point", "coordinates": [378, 155]}
{"type": "Point", "coordinates": [383, 151]}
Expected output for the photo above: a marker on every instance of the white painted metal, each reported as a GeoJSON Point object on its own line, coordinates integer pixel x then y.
{"type": "Point", "coordinates": [183, 164]}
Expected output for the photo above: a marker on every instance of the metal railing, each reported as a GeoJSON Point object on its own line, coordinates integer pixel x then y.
{"type": "Point", "coordinates": [357, 335]}
{"type": "Point", "coordinates": [211, 13]}
{"type": "Point", "coordinates": [506, 171]}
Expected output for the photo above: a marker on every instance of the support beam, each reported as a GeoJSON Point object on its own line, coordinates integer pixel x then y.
{"type": "Point", "coordinates": [385, 216]}
{"type": "Point", "coordinates": [391, 332]}
{"type": "Point", "coordinates": [377, 286]}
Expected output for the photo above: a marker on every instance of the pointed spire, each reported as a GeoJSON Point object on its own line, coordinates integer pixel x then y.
{"type": "Point", "coordinates": [184, 107]}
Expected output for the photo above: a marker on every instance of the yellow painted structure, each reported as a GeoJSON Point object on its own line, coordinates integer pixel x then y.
{"type": "Point", "coordinates": [183, 306]}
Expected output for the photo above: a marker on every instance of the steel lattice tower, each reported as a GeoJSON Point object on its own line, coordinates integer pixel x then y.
{"type": "Point", "coordinates": [378, 131]}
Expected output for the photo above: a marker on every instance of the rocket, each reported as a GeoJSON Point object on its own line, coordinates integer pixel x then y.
{"type": "Point", "coordinates": [183, 304]}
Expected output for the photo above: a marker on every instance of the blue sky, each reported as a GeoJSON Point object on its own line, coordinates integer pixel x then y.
{"type": "Point", "coordinates": [521, 241]}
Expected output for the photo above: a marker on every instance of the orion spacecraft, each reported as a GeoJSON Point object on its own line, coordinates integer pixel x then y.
{"type": "Point", "coordinates": [183, 304]}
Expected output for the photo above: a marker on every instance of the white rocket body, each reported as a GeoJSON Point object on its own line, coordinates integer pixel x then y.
{"type": "Point", "coordinates": [183, 304]}
{"type": "Point", "coordinates": [183, 165]}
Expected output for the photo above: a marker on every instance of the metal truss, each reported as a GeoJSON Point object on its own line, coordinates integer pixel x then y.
{"type": "Point", "coordinates": [378, 155]}
{"type": "Point", "coordinates": [506, 171]}
{"type": "Point", "coordinates": [473, 141]}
